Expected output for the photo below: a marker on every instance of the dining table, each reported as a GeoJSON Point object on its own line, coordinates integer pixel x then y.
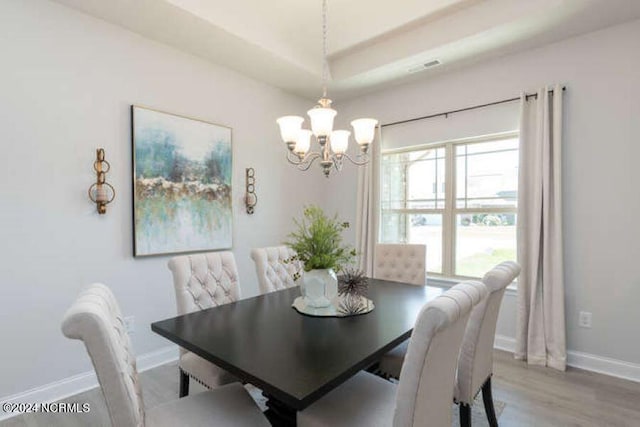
{"type": "Point", "coordinates": [294, 358]}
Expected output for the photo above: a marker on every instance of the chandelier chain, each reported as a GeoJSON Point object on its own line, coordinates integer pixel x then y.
{"type": "Point", "coordinates": [325, 65]}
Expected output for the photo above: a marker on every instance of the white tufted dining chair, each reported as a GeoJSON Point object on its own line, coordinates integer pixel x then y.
{"type": "Point", "coordinates": [273, 272]}
{"type": "Point", "coordinates": [95, 319]}
{"type": "Point", "coordinates": [425, 391]}
{"type": "Point", "coordinates": [400, 263]}
{"type": "Point", "coordinates": [475, 364]}
{"type": "Point", "coordinates": [202, 281]}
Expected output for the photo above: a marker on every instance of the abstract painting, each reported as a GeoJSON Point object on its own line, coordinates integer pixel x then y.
{"type": "Point", "coordinates": [181, 184]}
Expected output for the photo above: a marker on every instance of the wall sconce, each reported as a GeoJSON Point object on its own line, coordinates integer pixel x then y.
{"type": "Point", "coordinates": [101, 192]}
{"type": "Point", "coordinates": [250, 197]}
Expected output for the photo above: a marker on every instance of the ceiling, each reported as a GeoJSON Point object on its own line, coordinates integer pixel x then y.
{"type": "Point", "coordinates": [371, 43]}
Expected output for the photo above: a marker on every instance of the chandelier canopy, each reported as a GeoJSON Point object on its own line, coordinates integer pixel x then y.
{"type": "Point", "coordinates": [333, 143]}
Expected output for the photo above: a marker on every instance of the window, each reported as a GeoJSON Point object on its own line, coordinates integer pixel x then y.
{"type": "Point", "coordinates": [459, 198]}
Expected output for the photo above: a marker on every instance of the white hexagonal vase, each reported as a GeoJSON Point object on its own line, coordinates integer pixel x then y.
{"type": "Point", "coordinates": [319, 287]}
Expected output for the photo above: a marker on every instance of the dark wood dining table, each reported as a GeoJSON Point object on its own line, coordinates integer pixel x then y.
{"type": "Point", "coordinates": [296, 359]}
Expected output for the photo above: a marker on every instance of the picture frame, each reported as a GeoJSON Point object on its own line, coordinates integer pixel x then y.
{"type": "Point", "coordinates": [182, 170]}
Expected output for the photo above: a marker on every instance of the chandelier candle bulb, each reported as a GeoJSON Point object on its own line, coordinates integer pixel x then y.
{"type": "Point", "coordinates": [364, 130]}
{"type": "Point", "coordinates": [303, 142]}
{"type": "Point", "coordinates": [340, 141]}
{"type": "Point", "coordinates": [290, 127]}
{"type": "Point", "coordinates": [322, 120]}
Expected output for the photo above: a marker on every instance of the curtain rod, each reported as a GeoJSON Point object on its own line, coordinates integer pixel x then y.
{"type": "Point", "coordinates": [446, 113]}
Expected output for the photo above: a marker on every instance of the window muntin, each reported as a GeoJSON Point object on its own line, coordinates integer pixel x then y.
{"type": "Point", "coordinates": [468, 224]}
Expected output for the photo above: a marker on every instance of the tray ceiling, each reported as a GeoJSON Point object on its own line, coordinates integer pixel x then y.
{"type": "Point", "coordinates": [370, 43]}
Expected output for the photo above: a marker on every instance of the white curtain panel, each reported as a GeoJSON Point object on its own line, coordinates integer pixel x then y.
{"type": "Point", "coordinates": [541, 316]}
{"type": "Point", "coordinates": [368, 208]}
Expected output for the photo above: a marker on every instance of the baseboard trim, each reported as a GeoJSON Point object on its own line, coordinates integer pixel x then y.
{"type": "Point", "coordinates": [70, 386]}
{"type": "Point", "coordinates": [505, 343]}
{"type": "Point", "coordinates": [588, 362]}
{"type": "Point", "coordinates": [156, 358]}
{"type": "Point", "coordinates": [604, 365]}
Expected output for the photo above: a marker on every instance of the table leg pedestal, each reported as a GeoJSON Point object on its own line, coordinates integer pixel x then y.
{"type": "Point", "coordinates": [278, 413]}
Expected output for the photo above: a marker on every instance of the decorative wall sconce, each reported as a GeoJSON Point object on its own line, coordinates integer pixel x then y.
{"type": "Point", "coordinates": [250, 197]}
{"type": "Point", "coordinates": [101, 192]}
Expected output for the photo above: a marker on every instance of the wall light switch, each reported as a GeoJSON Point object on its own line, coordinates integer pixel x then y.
{"type": "Point", "coordinates": [584, 319]}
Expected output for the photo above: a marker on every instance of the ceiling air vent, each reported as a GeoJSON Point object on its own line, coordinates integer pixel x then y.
{"type": "Point", "coordinates": [424, 66]}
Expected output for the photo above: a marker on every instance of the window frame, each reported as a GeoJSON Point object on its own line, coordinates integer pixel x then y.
{"type": "Point", "coordinates": [450, 211]}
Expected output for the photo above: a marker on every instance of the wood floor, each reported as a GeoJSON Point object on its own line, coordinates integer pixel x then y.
{"type": "Point", "coordinates": [545, 397]}
{"type": "Point", "coordinates": [533, 397]}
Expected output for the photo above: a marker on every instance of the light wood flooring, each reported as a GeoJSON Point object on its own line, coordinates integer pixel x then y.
{"type": "Point", "coordinates": [533, 396]}
{"type": "Point", "coordinates": [537, 396]}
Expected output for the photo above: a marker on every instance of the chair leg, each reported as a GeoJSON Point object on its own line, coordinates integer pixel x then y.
{"type": "Point", "coordinates": [465, 415]}
{"type": "Point", "coordinates": [487, 398]}
{"type": "Point", "coordinates": [184, 383]}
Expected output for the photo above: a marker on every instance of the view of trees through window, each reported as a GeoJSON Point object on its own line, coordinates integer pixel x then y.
{"type": "Point", "coordinates": [458, 198]}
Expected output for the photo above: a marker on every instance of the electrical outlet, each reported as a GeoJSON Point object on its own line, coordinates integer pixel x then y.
{"type": "Point", "coordinates": [130, 324]}
{"type": "Point", "coordinates": [584, 319]}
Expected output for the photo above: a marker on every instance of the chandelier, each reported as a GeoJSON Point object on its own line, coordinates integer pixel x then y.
{"type": "Point", "coordinates": [333, 143]}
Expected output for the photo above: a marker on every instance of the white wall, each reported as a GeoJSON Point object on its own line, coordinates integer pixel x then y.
{"type": "Point", "coordinates": [601, 173]}
{"type": "Point", "coordinates": [66, 83]}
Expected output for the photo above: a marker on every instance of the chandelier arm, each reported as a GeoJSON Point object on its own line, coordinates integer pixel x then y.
{"type": "Point", "coordinates": [305, 162]}
{"type": "Point", "coordinates": [311, 157]}
{"type": "Point", "coordinates": [308, 161]}
{"type": "Point", "coordinates": [365, 160]}
{"type": "Point", "coordinates": [337, 161]}
{"type": "Point", "coordinates": [293, 159]}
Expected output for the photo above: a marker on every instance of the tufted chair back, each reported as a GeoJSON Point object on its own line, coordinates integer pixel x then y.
{"type": "Point", "coordinates": [426, 383]}
{"type": "Point", "coordinates": [95, 319]}
{"type": "Point", "coordinates": [204, 280]}
{"type": "Point", "coordinates": [400, 263]}
{"type": "Point", "coordinates": [273, 273]}
{"type": "Point", "coordinates": [475, 364]}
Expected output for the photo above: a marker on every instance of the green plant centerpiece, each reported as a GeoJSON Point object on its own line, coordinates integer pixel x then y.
{"type": "Point", "coordinates": [321, 251]}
